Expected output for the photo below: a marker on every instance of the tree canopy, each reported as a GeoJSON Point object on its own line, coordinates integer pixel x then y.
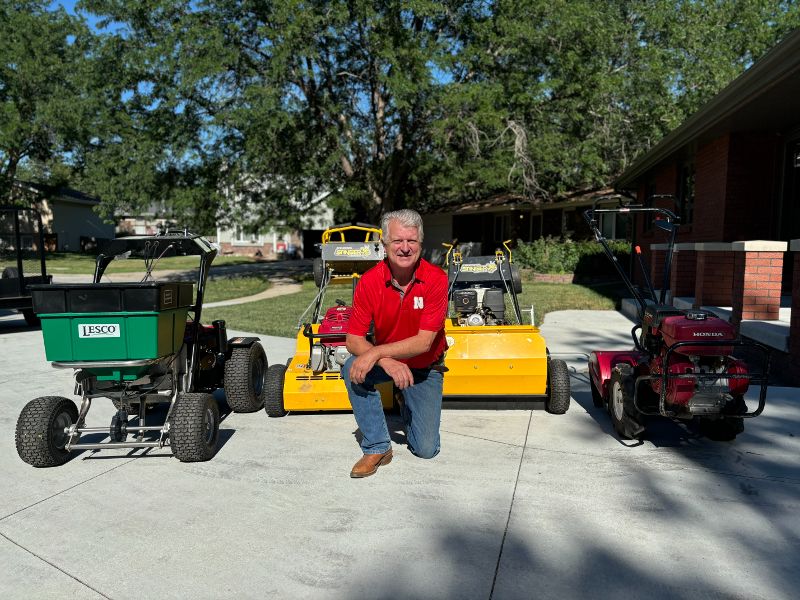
{"type": "Point", "coordinates": [254, 110]}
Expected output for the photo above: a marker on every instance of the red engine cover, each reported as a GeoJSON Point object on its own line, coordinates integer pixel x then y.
{"type": "Point", "coordinates": [680, 329]}
{"type": "Point", "coordinates": [336, 321]}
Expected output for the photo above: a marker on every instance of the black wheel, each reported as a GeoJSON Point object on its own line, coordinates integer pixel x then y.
{"type": "Point", "coordinates": [245, 371]}
{"type": "Point", "coordinates": [118, 431]}
{"type": "Point", "coordinates": [620, 401]}
{"type": "Point", "coordinates": [194, 427]}
{"type": "Point", "coordinates": [273, 402]}
{"type": "Point", "coordinates": [597, 399]}
{"type": "Point", "coordinates": [40, 436]}
{"type": "Point", "coordinates": [557, 387]}
{"type": "Point", "coordinates": [30, 317]}
{"type": "Point", "coordinates": [516, 279]}
{"type": "Point", "coordinates": [10, 273]}
{"type": "Point", "coordinates": [319, 272]}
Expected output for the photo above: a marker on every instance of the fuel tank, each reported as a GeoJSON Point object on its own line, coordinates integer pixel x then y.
{"type": "Point", "coordinates": [684, 328]}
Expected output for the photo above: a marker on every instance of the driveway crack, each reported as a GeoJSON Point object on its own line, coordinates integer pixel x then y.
{"type": "Point", "coordinates": [511, 506]}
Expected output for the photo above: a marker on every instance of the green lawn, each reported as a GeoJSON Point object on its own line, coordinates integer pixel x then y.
{"type": "Point", "coordinates": [234, 287]}
{"type": "Point", "coordinates": [279, 316]}
{"type": "Point", "coordinates": [79, 264]}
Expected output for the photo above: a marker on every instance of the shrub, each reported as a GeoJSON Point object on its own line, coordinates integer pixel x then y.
{"type": "Point", "coordinates": [584, 259]}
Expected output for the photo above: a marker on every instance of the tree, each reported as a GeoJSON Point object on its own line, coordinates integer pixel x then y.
{"type": "Point", "coordinates": [45, 112]}
{"type": "Point", "coordinates": [388, 104]}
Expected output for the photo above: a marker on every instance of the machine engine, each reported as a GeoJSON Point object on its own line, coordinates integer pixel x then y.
{"type": "Point", "coordinates": [712, 363]}
{"type": "Point", "coordinates": [330, 352]}
{"type": "Point", "coordinates": [479, 305]}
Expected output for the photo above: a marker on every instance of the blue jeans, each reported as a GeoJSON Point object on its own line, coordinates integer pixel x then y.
{"type": "Point", "coordinates": [422, 410]}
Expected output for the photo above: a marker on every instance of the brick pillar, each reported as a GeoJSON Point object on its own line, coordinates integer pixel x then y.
{"type": "Point", "coordinates": [714, 277]}
{"type": "Point", "coordinates": [684, 271]}
{"type": "Point", "coordinates": [794, 329]}
{"type": "Point", "coordinates": [757, 280]}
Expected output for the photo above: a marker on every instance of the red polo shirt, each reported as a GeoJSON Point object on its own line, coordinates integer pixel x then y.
{"type": "Point", "coordinates": [399, 316]}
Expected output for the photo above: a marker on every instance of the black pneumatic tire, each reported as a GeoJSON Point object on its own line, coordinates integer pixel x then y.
{"type": "Point", "coordinates": [318, 270]}
{"type": "Point", "coordinates": [194, 427]}
{"type": "Point", "coordinates": [40, 436]}
{"type": "Point", "coordinates": [245, 373]}
{"type": "Point", "coordinates": [273, 402]}
{"type": "Point", "coordinates": [557, 387]}
{"type": "Point", "coordinates": [516, 279]}
{"type": "Point", "coordinates": [620, 398]}
{"type": "Point", "coordinates": [10, 273]}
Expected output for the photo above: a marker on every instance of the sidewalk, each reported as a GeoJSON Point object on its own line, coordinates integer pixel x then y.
{"type": "Point", "coordinates": [519, 504]}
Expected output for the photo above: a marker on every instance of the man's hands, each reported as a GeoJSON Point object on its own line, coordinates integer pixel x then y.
{"type": "Point", "coordinates": [398, 371]}
{"type": "Point", "coordinates": [362, 365]}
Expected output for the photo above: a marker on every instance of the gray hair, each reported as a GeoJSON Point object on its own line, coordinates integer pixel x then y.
{"type": "Point", "coordinates": [406, 217]}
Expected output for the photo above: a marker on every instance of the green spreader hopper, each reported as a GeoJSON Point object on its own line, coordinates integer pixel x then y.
{"type": "Point", "coordinates": [113, 322]}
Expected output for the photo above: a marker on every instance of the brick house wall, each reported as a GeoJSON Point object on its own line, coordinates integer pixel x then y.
{"type": "Point", "coordinates": [711, 188]}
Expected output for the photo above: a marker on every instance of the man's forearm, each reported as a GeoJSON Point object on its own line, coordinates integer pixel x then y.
{"type": "Point", "coordinates": [406, 348]}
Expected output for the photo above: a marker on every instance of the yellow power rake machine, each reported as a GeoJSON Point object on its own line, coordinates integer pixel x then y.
{"type": "Point", "coordinates": [491, 359]}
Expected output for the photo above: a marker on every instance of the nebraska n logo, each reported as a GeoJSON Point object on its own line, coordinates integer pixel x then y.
{"type": "Point", "coordinates": [418, 302]}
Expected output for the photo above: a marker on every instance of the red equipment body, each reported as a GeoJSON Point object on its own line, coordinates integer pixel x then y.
{"type": "Point", "coordinates": [602, 362]}
{"type": "Point", "coordinates": [336, 320]}
{"type": "Point", "coordinates": [682, 329]}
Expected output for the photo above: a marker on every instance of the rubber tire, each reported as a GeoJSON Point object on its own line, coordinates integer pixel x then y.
{"type": "Point", "coordinates": [36, 438]}
{"type": "Point", "coordinates": [10, 273]}
{"type": "Point", "coordinates": [621, 383]}
{"type": "Point", "coordinates": [273, 403]}
{"type": "Point", "coordinates": [319, 272]}
{"type": "Point", "coordinates": [597, 399]}
{"type": "Point", "coordinates": [194, 427]}
{"type": "Point", "coordinates": [516, 279]}
{"type": "Point", "coordinates": [245, 375]}
{"type": "Point", "coordinates": [30, 317]}
{"type": "Point", "coordinates": [557, 387]}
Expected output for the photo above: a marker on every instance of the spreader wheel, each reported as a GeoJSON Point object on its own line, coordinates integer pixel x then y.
{"type": "Point", "coordinates": [273, 402]}
{"type": "Point", "coordinates": [557, 387]}
{"type": "Point", "coordinates": [620, 402]}
{"type": "Point", "coordinates": [245, 371]}
{"type": "Point", "coordinates": [40, 436]}
{"type": "Point", "coordinates": [194, 427]}
{"type": "Point", "coordinates": [319, 272]}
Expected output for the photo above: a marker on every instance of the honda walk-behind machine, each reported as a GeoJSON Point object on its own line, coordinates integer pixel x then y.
{"type": "Point", "coordinates": [682, 365]}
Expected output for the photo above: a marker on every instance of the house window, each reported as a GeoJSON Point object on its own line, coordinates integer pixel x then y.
{"type": "Point", "coordinates": [614, 226]}
{"type": "Point", "coordinates": [243, 236]}
{"type": "Point", "coordinates": [502, 227]}
{"type": "Point", "coordinates": [685, 197]}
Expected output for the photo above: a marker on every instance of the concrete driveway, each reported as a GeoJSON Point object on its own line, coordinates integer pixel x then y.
{"type": "Point", "coordinates": [519, 504]}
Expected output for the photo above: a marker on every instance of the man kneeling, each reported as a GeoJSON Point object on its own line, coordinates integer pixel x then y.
{"type": "Point", "coordinates": [405, 297]}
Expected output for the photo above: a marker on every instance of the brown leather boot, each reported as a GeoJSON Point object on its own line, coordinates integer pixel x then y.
{"type": "Point", "coordinates": [369, 463]}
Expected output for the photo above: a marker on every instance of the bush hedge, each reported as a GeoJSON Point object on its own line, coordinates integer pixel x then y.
{"type": "Point", "coordinates": [583, 259]}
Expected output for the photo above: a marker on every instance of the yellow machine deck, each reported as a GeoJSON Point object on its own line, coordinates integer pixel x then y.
{"type": "Point", "coordinates": [490, 359]}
